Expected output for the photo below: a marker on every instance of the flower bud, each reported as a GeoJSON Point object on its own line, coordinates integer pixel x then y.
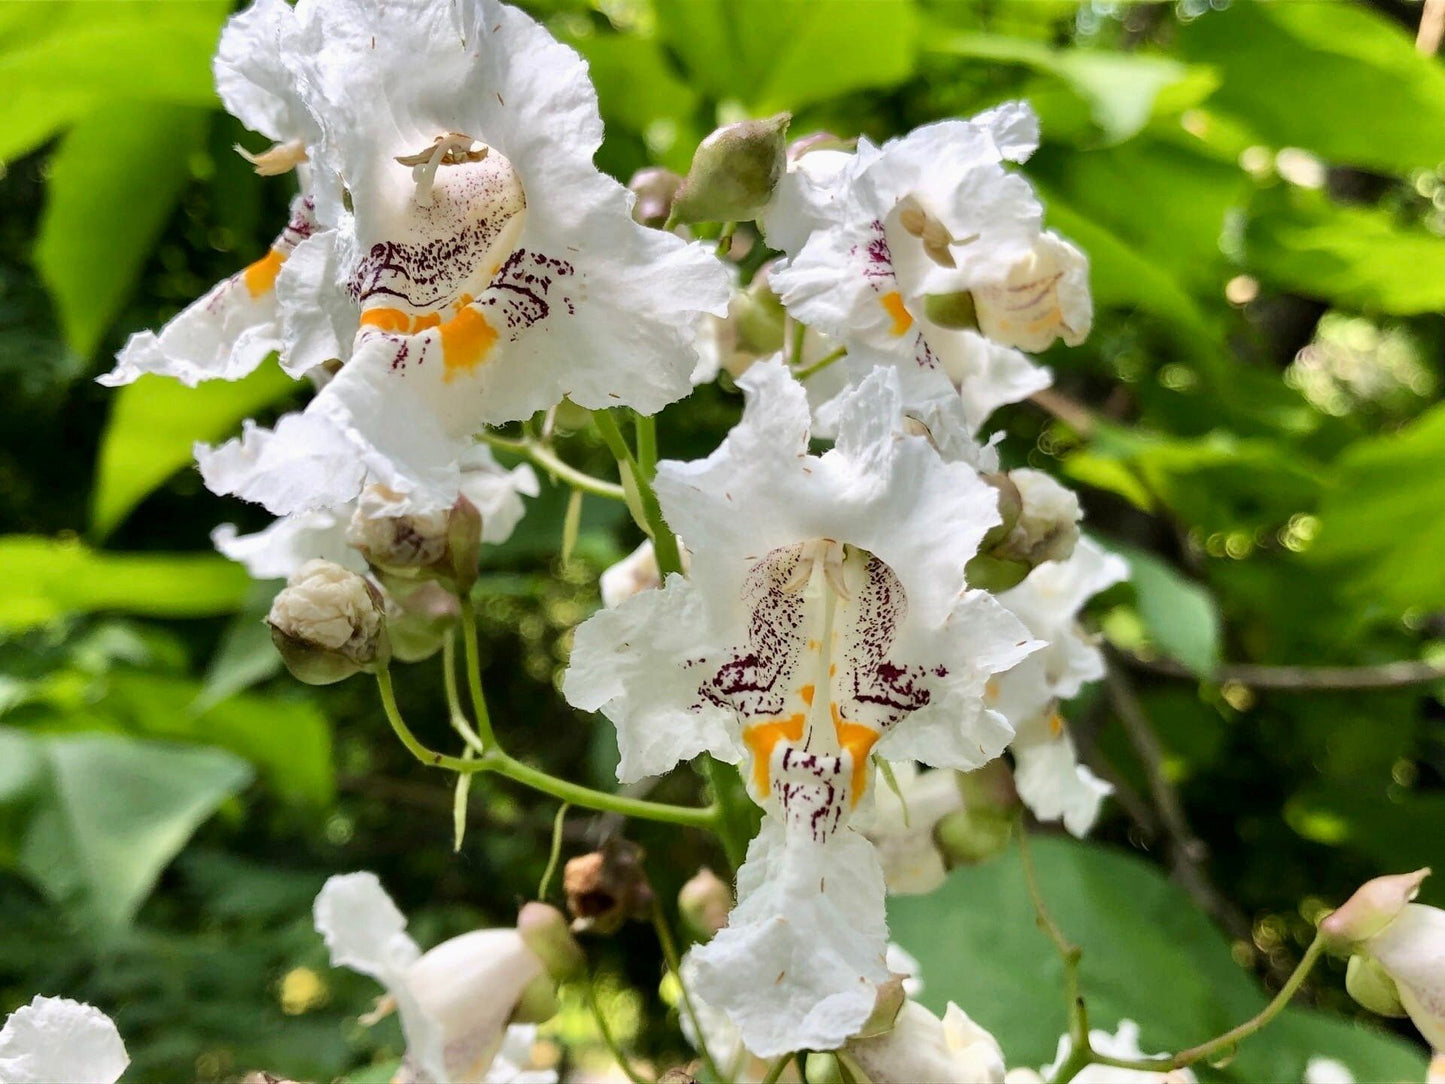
{"type": "Point", "coordinates": [734, 172]}
{"type": "Point", "coordinates": [1374, 906]}
{"type": "Point", "coordinates": [420, 615]}
{"type": "Point", "coordinates": [704, 903]}
{"type": "Point", "coordinates": [655, 189]}
{"type": "Point", "coordinates": [921, 1047]}
{"type": "Point", "coordinates": [328, 623]}
{"type": "Point", "coordinates": [1371, 985]}
{"type": "Point", "coordinates": [952, 310]}
{"type": "Point", "coordinates": [607, 887]}
{"type": "Point", "coordinates": [1045, 296]}
{"type": "Point", "coordinates": [757, 315]}
{"type": "Point", "coordinates": [971, 836]}
{"type": "Point", "coordinates": [1010, 507]}
{"type": "Point", "coordinates": [443, 542]}
{"type": "Point", "coordinates": [544, 930]}
{"type": "Point", "coordinates": [1045, 528]}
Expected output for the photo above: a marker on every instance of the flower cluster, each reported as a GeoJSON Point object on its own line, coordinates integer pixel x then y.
{"type": "Point", "coordinates": [878, 634]}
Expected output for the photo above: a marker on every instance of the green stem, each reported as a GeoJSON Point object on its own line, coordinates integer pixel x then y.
{"type": "Point", "coordinates": [821, 364]}
{"type": "Point", "coordinates": [546, 458]}
{"type": "Point", "coordinates": [674, 964]}
{"type": "Point", "coordinates": [605, 1030]}
{"type": "Point", "coordinates": [725, 240]}
{"type": "Point", "coordinates": [775, 1073]}
{"type": "Point", "coordinates": [795, 346]}
{"type": "Point", "coordinates": [555, 854]}
{"type": "Point", "coordinates": [664, 542]}
{"type": "Point", "coordinates": [485, 735]}
{"type": "Point", "coordinates": [454, 701]}
{"type": "Point", "coordinates": [500, 763]}
{"type": "Point", "coordinates": [1234, 1036]}
{"type": "Point", "coordinates": [732, 827]}
{"type": "Point", "coordinates": [645, 427]}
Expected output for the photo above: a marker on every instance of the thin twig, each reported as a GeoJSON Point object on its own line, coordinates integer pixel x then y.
{"type": "Point", "coordinates": [555, 854]}
{"type": "Point", "coordinates": [674, 964]}
{"type": "Point", "coordinates": [1386, 675]}
{"type": "Point", "coordinates": [1432, 26]}
{"type": "Point", "coordinates": [1071, 412]}
{"type": "Point", "coordinates": [589, 986]}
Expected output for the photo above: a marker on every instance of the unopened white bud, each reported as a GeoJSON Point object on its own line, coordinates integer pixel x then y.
{"type": "Point", "coordinates": [328, 623]}
{"type": "Point", "coordinates": [921, 1047]}
{"type": "Point", "coordinates": [1047, 528]}
{"type": "Point", "coordinates": [704, 903]}
{"type": "Point", "coordinates": [394, 540]}
{"type": "Point", "coordinates": [655, 189]}
{"type": "Point", "coordinates": [1374, 906]}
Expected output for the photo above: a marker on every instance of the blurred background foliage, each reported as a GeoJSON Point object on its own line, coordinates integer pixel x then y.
{"type": "Point", "coordinates": [1255, 422]}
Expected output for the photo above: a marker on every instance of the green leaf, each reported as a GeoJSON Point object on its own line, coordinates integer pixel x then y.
{"type": "Point", "coordinates": [155, 423]}
{"type": "Point", "coordinates": [49, 578]}
{"type": "Point", "coordinates": [288, 740]}
{"type": "Point", "coordinates": [1121, 89]}
{"type": "Point", "coordinates": [1141, 935]}
{"type": "Point", "coordinates": [113, 182]}
{"type": "Point", "coordinates": [1360, 258]}
{"type": "Point", "coordinates": [246, 654]}
{"type": "Point", "coordinates": [773, 56]}
{"type": "Point", "coordinates": [1384, 507]}
{"type": "Point", "coordinates": [1337, 79]}
{"type": "Point", "coordinates": [1180, 615]}
{"type": "Point", "coordinates": [112, 814]}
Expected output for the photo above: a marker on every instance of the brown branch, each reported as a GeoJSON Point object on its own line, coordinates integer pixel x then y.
{"type": "Point", "coordinates": [1385, 675]}
{"type": "Point", "coordinates": [1187, 852]}
{"type": "Point", "coordinates": [1069, 411]}
{"type": "Point", "coordinates": [1432, 25]}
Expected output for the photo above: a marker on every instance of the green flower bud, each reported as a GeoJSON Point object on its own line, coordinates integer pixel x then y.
{"type": "Point", "coordinates": [955, 310]}
{"type": "Point", "coordinates": [995, 574]}
{"type": "Point", "coordinates": [1370, 984]}
{"type": "Point", "coordinates": [704, 903]}
{"type": "Point", "coordinates": [544, 930]}
{"type": "Point", "coordinates": [329, 623]}
{"type": "Point", "coordinates": [757, 316]}
{"type": "Point", "coordinates": [734, 172]}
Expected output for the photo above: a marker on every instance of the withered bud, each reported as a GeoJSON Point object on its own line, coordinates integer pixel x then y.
{"type": "Point", "coordinates": [442, 542]}
{"type": "Point", "coordinates": [328, 623]}
{"type": "Point", "coordinates": [1045, 527]}
{"type": "Point", "coordinates": [607, 887]}
{"type": "Point", "coordinates": [655, 189]}
{"type": "Point", "coordinates": [704, 903]}
{"type": "Point", "coordinates": [678, 1074]}
{"type": "Point", "coordinates": [734, 172]}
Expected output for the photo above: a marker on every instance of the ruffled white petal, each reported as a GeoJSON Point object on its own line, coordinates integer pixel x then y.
{"type": "Point", "coordinates": [1124, 1043]}
{"type": "Point", "coordinates": [641, 664]}
{"type": "Point", "coordinates": [902, 825]}
{"type": "Point", "coordinates": [798, 964]}
{"type": "Point", "coordinates": [306, 463]}
{"type": "Point", "coordinates": [253, 83]}
{"type": "Point", "coordinates": [318, 316]}
{"type": "Point", "coordinates": [56, 1039]}
{"type": "Point", "coordinates": [496, 492]}
{"type": "Point", "coordinates": [510, 1064]}
{"type": "Point", "coordinates": [1055, 786]}
{"type": "Point", "coordinates": [279, 551]}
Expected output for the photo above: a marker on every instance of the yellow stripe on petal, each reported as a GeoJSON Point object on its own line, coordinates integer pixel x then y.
{"type": "Point", "coordinates": [902, 318]}
{"type": "Point", "coordinates": [762, 738]}
{"type": "Point", "coordinates": [467, 339]}
{"type": "Point", "coordinates": [859, 741]}
{"type": "Point", "coordinates": [260, 277]}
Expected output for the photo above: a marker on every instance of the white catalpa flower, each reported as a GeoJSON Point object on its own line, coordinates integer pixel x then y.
{"type": "Point", "coordinates": [455, 1000]}
{"type": "Point", "coordinates": [1396, 949]}
{"type": "Point", "coordinates": [1124, 1043]}
{"type": "Point", "coordinates": [1047, 773]}
{"type": "Point", "coordinates": [489, 268]}
{"type": "Point", "coordinates": [1322, 1070]}
{"type": "Point", "coordinates": [923, 1049]}
{"type": "Point", "coordinates": [928, 255]}
{"type": "Point", "coordinates": [826, 619]}
{"type": "Point", "coordinates": [54, 1039]}
{"type": "Point", "coordinates": [227, 333]}
{"type": "Point", "coordinates": [280, 549]}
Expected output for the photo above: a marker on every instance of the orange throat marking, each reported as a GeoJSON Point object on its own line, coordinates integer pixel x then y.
{"type": "Point", "coordinates": [902, 318]}
{"type": "Point", "coordinates": [260, 277]}
{"type": "Point", "coordinates": [762, 738]}
{"type": "Point", "coordinates": [858, 740]}
{"type": "Point", "coordinates": [466, 339]}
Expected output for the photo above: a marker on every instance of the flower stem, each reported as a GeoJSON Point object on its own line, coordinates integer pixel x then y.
{"type": "Point", "coordinates": [664, 542]}
{"type": "Point", "coordinates": [674, 964]}
{"type": "Point", "coordinates": [546, 458]}
{"type": "Point", "coordinates": [454, 700]}
{"type": "Point", "coordinates": [555, 854]}
{"type": "Point", "coordinates": [821, 364]}
{"type": "Point", "coordinates": [645, 427]}
{"type": "Point", "coordinates": [605, 1030]}
{"type": "Point", "coordinates": [775, 1072]}
{"type": "Point", "coordinates": [494, 760]}
{"type": "Point", "coordinates": [485, 736]}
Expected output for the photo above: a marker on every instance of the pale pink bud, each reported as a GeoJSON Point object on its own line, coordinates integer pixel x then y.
{"type": "Point", "coordinates": [1374, 906]}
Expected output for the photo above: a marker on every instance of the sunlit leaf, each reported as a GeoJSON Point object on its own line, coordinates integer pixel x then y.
{"type": "Point", "coordinates": [48, 578]}
{"type": "Point", "coordinates": [1180, 615]}
{"type": "Point", "coordinates": [153, 425]}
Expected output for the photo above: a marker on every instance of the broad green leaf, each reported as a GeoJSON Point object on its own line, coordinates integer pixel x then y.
{"type": "Point", "coordinates": [1179, 614]}
{"type": "Point", "coordinates": [112, 813]}
{"type": "Point", "coordinates": [1120, 88]}
{"type": "Point", "coordinates": [288, 740]}
{"type": "Point", "coordinates": [1142, 938]}
{"type": "Point", "coordinates": [49, 578]}
{"type": "Point", "coordinates": [1356, 257]}
{"type": "Point", "coordinates": [153, 426]}
{"type": "Point", "coordinates": [771, 56]}
{"type": "Point", "coordinates": [1382, 513]}
{"type": "Point", "coordinates": [637, 88]}
{"type": "Point", "coordinates": [245, 655]}
{"type": "Point", "coordinates": [151, 50]}
{"type": "Point", "coordinates": [1338, 79]}
{"type": "Point", "coordinates": [113, 182]}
